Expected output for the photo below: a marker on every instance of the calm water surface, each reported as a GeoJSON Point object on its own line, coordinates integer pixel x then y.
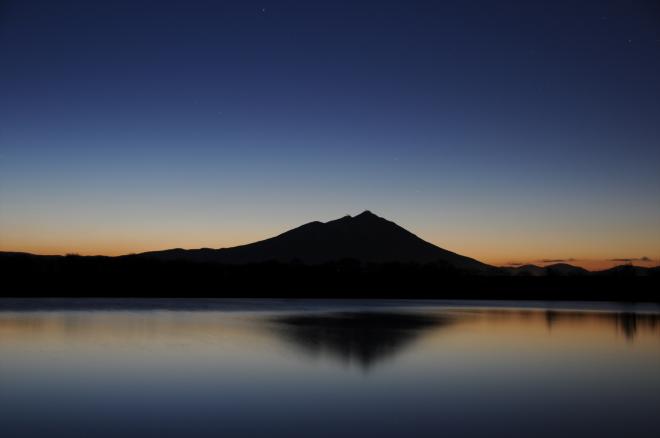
{"type": "Point", "coordinates": [331, 368]}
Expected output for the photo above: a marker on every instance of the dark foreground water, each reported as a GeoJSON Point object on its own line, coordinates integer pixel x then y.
{"type": "Point", "coordinates": [126, 368]}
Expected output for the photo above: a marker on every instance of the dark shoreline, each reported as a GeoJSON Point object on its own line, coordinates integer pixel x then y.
{"type": "Point", "coordinates": [467, 288]}
{"type": "Point", "coordinates": [632, 290]}
{"type": "Point", "coordinates": [40, 276]}
{"type": "Point", "coordinates": [32, 304]}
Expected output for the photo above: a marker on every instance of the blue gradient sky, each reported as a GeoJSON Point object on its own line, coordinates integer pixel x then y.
{"type": "Point", "coordinates": [508, 133]}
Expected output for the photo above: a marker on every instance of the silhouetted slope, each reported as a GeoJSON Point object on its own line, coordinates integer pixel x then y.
{"type": "Point", "coordinates": [527, 270]}
{"type": "Point", "coordinates": [565, 269]}
{"type": "Point", "coordinates": [629, 271]}
{"type": "Point", "coordinates": [366, 237]}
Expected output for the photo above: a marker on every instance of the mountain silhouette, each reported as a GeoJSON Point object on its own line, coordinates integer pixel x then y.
{"type": "Point", "coordinates": [563, 269]}
{"type": "Point", "coordinates": [527, 270]}
{"type": "Point", "coordinates": [365, 237]}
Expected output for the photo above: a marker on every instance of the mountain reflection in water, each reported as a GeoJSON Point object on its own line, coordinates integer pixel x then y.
{"type": "Point", "coordinates": [208, 368]}
{"type": "Point", "coordinates": [364, 338]}
{"type": "Point", "coordinates": [367, 338]}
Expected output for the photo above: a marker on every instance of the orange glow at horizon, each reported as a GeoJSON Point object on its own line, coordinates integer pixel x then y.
{"type": "Point", "coordinates": [117, 247]}
{"type": "Point", "coordinates": [496, 242]}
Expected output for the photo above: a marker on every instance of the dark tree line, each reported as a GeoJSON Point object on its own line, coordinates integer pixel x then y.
{"type": "Point", "coordinates": [136, 276]}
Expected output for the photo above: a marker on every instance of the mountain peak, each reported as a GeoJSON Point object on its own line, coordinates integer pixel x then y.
{"type": "Point", "coordinates": [364, 218]}
{"type": "Point", "coordinates": [366, 237]}
{"type": "Point", "coordinates": [366, 214]}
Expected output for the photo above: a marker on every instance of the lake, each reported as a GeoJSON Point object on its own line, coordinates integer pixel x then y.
{"type": "Point", "coordinates": [305, 368]}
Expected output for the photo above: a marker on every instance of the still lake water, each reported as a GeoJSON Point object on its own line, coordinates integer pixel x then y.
{"type": "Point", "coordinates": [216, 368]}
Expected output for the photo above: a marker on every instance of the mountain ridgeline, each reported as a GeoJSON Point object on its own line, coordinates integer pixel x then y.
{"type": "Point", "coordinates": [364, 256]}
{"type": "Point", "coordinates": [366, 238]}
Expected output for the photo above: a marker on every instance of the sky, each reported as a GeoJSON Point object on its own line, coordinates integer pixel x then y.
{"type": "Point", "coordinates": [512, 132]}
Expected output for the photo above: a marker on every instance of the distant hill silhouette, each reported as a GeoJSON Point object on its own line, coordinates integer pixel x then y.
{"type": "Point", "coordinates": [629, 270]}
{"type": "Point", "coordinates": [526, 270]}
{"type": "Point", "coordinates": [565, 269]}
{"type": "Point", "coordinates": [562, 269]}
{"type": "Point", "coordinates": [365, 237]}
{"type": "Point", "coordinates": [364, 256]}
